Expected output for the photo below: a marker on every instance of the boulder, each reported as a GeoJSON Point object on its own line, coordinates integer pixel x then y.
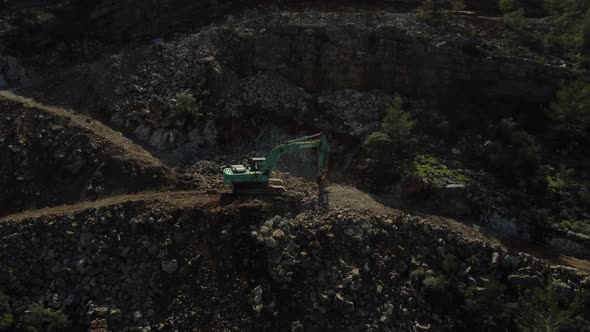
{"type": "Point", "coordinates": [3, 82]}
{"type": "Point", "coordinates": [343, 304]}
{"type": "Point", "coordinates": [524, 281]}
{"type": "Point", "coordinates": [414, 185]}
{"type": "Point", "coordinates": [170, 266]}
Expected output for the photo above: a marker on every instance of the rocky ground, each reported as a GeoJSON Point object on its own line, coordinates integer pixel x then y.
{"type": "Point", "coordinates": [182, 261]}
{"type": "Point", "coordinates": [114, 217]}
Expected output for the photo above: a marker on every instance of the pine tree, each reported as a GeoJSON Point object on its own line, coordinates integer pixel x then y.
{"type": "Point", "coordinates": [397, 123]}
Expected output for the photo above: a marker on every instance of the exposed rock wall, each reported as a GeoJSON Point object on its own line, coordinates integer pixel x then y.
{"type": "Point", "coordinates": [296, 71]}
{"type": "Point", "coordinates": [123, 19]}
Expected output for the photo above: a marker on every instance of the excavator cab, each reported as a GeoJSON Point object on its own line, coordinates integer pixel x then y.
{"type": "Point", "coordinates": [257, 163]}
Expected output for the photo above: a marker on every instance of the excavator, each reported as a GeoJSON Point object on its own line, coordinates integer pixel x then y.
{"type": "Point", "coordinates": [255, 178]}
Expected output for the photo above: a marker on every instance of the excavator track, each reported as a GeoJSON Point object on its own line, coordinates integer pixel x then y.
{"type": "Point", "coordinates": [258, 189]}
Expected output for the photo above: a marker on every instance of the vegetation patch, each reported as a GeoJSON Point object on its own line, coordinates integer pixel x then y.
{"type": "Point", "coordinates": [38, 318]}
{"type": "Point", "coordinates": [428, 166]}
{"type": "Point", "coordinates": [6, 317]}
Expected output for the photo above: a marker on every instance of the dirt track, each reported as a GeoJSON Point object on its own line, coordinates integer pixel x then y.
{"type": "Point", "coordinates": [173, 198]}
{"type": "Point", "coordinates": [125, 147]}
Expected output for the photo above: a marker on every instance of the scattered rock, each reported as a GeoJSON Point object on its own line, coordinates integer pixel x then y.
{"type": "Point", "coordinates": [170, 266]}
{"type": "Point", "coordinates": [524, 281]}
{"type": "Point", "coordinates": [343, 304]}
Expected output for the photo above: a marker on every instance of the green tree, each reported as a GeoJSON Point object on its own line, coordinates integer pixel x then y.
{"type": "Point", "coordinates": [539, 309]}
{"type": "Point", "coordinates": [5, 313]}
{"type": "Point", "coordinates": [571, 108]}
{"type": "Point", "coordinates": [397, 123]}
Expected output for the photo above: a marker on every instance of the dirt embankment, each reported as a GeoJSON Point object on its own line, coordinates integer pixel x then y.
{"type": "Point", "coordinates": [50, 156]}
{"type": "Point", "coordinates": [183, 261]}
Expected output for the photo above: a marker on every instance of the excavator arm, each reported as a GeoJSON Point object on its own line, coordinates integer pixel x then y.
{"type": "Point", "coordinates": [319, 141]}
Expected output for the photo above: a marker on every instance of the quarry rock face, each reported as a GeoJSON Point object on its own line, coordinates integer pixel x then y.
{"type": "Point", "coordinates": [124, 19]}
{"type": "Point", "coordinates": [306, 70]}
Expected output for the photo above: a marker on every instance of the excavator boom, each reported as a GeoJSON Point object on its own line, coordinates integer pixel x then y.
{"type": "Point", "coordinates": [256, 178]}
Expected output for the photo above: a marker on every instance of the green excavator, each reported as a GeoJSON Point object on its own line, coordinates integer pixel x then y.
{"type": "Point", "coordinates": [255, 178]}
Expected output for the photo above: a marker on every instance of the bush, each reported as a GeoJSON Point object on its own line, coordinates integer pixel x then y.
{"type": "Point", "coordinates": [490, 298]}
{"type": "Point", "coordinates": [515, 154]}
{"type": "Point", "coordinates": [505, 6]}
{"type": "Point", "coordinates": [397, 123]}
{"type": "Point", "coordinates": [417, 275]}
{"type": "Point", "coordinates": [437, 284]}
{"type": "Point", "coordinates": [458, 5]}
{"type": "Point", "coordinates": [436, 12]}
{"type": "Point", "coordinates": [571, 109]}
{"type": "Point", "coordinates": [185, 102]}
{"type": "Point", "coordinates": [5, 313]}
{"type": "Point", "coordinates": [585, 38]}
{"type": "Point", "coordinates": [38, 318]}
{"type": "Point", "coordinates": [515, 20]}
{"type": "Point", "coordinates": [427, 9]}
{"type": "Point", "coordinates": [377, 145]}
{"type": "Point", "coordinates": [555, 45]}
{"type": "Point", "coordinates": [450, 265]}
{"type": "Point", "coordinates": [553, 7]}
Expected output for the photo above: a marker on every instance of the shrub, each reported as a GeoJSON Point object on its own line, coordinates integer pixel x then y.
{"type": "Point", "coordinates": [38, 318]}
{"type": "Point", "coordinates": [450, 264]}
{"type": "Point", "coordinates": [377, 145]}
{"type": "Point", "coordinates": [397, 122]}
{"type": "Point", "coordinates": [427, 9]}
{"type": "Point", "coordinates": [571, 109]}
{"type": "Point", "coordinates": [436, 11]}
{"type": "Point", "coordinates": [185, 102]}
{"type": "Point", "coordinates": [505, 6]}
{"type": "Point", "coordinates": [458, 5]}
{"type": "Point", "coordinates": [585, 33]}
{"type": "Point", "coordinates": [515, 20]}
{"type": "Point", "coordinates": [7, 278]}
{"type": "Point", "coordinates": [515, 154]}
{"type": "Point", "coordinates": [5, 313]}
{"type": "Point", "coordinates": [417, 275]}
{"type": "Point", "coordinates": [555, 45]}
{"type": "Point", "coordinates": [436, 283]}
{"type": "Point", "coordinates": [490, 298]}
{"type": "Point", "coordinates": [524, 147]}
{"type": "Point", "coordinates": [553, 6]}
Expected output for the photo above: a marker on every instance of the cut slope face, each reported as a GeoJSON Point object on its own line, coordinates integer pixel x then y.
{"type": "Point", "coordinates": [50, 156]}
{"type": "Point", "coordinates": [291, 71]}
